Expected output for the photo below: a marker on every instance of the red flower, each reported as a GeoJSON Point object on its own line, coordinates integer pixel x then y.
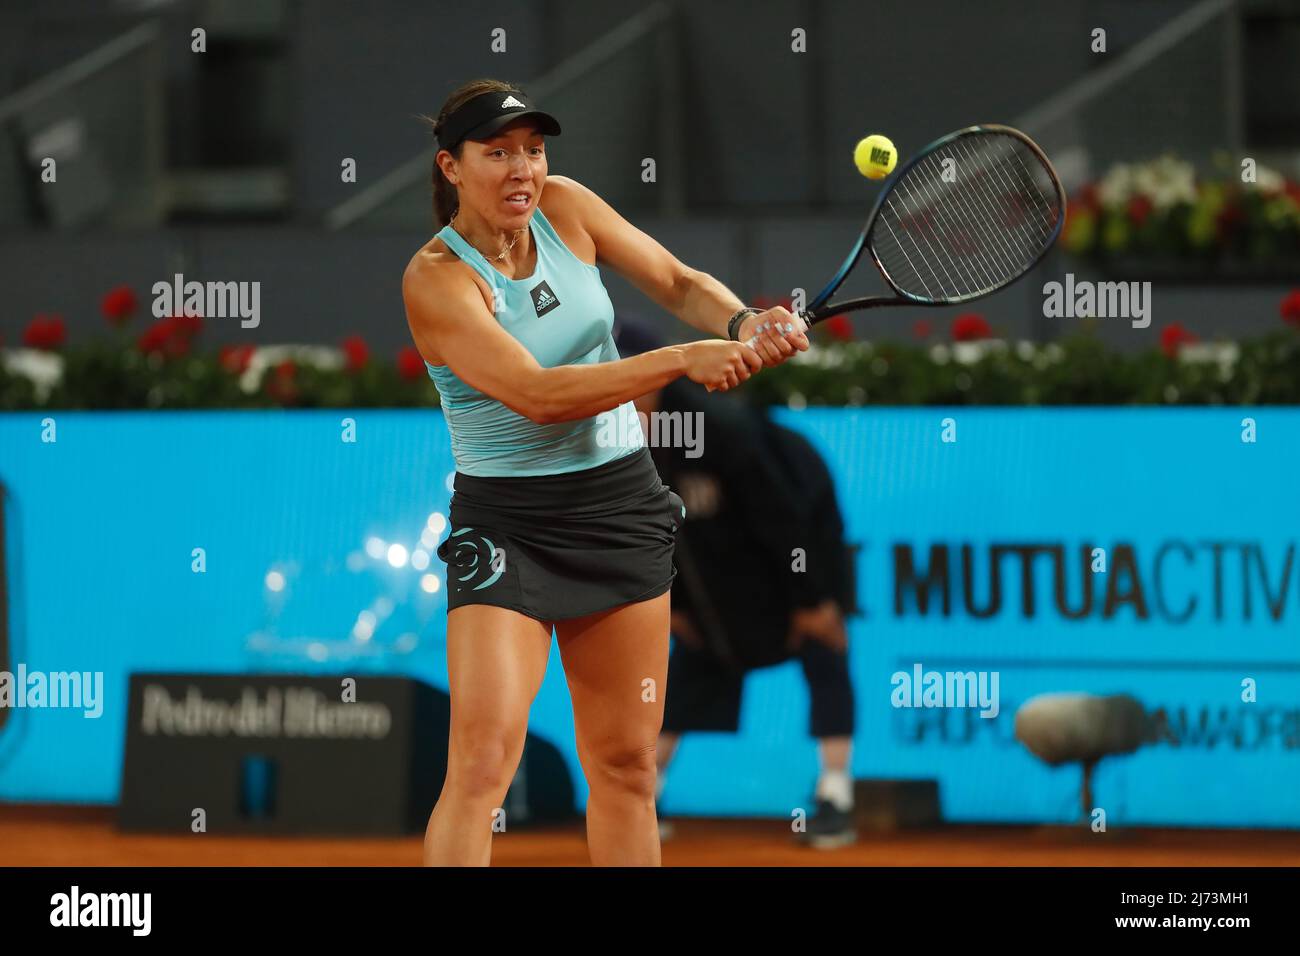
{"type": "Point", "coordinates": [235, 358]}
{"type": "Point", "coordinates": [1139, 208]}
{"type": "Point", "coordinates": [1293, 190]}
{"type": "Point", "coordinates": [410, 364]}
{"type": "Point", "coordinates": [921, 328]}
{"type": "Point", "coordinates": [840, 327]}
{"type": "Point", "coordinates": [1088, 197]}
{"type": "Point", "coordinates": [354, 347]}
{"type": "Point", "coordinates": [154, 338]}
{"type": "Point", "coordinates": [1290, 308]}
{"type": "Point", "coordinates": [118, 304]}
{"type": "Point", "coordinates": [1173, 337]}
{"type": "Point", "coordinates": [188, 325]}
{"type": "Point", "coordinates": [170, 336]}
{"type": "Point", "coordinates": [281, 385]}
{"type": "Point", "coordinates": [1227, 220]}
{"type": "Point", "coordinates": [177, 346]}
{"type": "Point", "coordinates": [45, 332]}
{"type": "Point", "coordinates": [969, 327]}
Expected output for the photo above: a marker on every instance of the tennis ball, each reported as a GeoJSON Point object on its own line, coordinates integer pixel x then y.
{"type": "Point", "coordinates": [875, 156]}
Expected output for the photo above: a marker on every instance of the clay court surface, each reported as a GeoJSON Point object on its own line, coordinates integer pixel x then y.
{"type": "Point", "coordinates": [86, 836]}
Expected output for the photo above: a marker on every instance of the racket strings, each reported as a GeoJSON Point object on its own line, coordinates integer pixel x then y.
{"type": "Point", "coordinates": [968, 218]}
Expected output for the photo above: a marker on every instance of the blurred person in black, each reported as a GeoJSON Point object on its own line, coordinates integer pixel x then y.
{"type": "Point", "coordinates": [744, 597]}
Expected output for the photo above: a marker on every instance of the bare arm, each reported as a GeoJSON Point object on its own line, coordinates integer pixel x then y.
{"type": "Point", "coordinates": [448, 309]}
{"type": "Point", "coordinates": [694, 297]}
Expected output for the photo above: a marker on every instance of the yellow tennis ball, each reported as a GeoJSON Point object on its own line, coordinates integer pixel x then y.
{"type": "Point", "coordinates": [875, 156]}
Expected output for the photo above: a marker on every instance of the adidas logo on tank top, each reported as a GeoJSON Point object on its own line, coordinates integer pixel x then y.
{"type": "Point", "coordinates": [543, 299]}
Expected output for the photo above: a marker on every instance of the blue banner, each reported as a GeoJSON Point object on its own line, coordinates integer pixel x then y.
{"type": "Point", "coordinates": [1149, 552]}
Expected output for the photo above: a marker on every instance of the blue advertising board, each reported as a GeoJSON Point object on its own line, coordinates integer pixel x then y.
{"type": "Point", "coordinates": [1141, 551]}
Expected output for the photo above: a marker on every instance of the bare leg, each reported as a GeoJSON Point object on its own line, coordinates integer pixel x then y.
{"type": "Point", "coordinates": [496, 659]}
{"type": "Point", "coordinates": [834, 752]}
{"type": "Point", "coordinates": [616, 663]}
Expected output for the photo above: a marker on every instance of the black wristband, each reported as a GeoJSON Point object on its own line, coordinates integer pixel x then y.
{"type": "Point", "coordinates": [734, 322]}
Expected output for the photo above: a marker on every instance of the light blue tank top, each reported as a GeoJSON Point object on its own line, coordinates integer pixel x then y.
{"type": "Point", "coordinates": [563, 316]}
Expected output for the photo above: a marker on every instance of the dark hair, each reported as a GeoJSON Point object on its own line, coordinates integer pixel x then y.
{"type": "Point", "coordinates": [445, 198]}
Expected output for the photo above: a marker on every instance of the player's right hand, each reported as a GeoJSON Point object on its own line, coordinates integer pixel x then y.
{"type": "Point", "coordinates": [719, 365]}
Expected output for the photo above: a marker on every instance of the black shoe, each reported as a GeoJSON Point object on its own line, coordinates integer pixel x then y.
{"type": "Point", "coordinates": [829, 827]}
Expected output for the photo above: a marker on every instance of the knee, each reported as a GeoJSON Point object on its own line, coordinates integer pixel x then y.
{"type": "Point", "coordinates": [481, 764]}
{"type": "Point", "coordinates": [628, 768]}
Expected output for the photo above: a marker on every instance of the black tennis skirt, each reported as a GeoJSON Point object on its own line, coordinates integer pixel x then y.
{"type": "Point", "coordinates": [562, 546]}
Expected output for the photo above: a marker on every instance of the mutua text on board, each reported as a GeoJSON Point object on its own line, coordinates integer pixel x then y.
{"type": "Point", "coordinates": [1175, 581]}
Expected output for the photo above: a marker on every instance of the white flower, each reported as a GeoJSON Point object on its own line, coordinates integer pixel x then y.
{"type": "Point", "coordinates": [1179, 186]}
{"type": "Point", "coordinates": [968, 353]}
{"type": "Point", "coordinates": [1166, 181]}
{"type": "Point", "coordinates": [1268, 181]}
{"type": "Point", "coordinates": [324, 357]}
{"type": "Point", "coordinates": [1147, 178]}
{"type": "Point", "coordinates": [1182, 186]}
{"type": "Point", "coordinates": [43, 369]}
{"type": "Point", "coordinates": [1224, 354]}
{"type": "Point", "coordinates": [1117, 185]}
{"type": "Point", "coordinates": [832, 356]}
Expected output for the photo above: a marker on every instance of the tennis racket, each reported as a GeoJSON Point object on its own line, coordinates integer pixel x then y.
{"type": "Point", "coordinates": [968, 215]}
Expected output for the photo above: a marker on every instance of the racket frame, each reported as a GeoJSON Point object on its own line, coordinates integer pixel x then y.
{"type": "Point", "coordinates": [819, 309]}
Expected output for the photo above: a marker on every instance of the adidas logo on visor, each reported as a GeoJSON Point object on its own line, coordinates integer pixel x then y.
{"type": "Point", "coordinates": [511, 101]}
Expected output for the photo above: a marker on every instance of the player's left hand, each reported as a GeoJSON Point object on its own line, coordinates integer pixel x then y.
{"type": "Point", "coordinates": [823, 623]}
{"type": "Point", "coordinates": [779, 332]}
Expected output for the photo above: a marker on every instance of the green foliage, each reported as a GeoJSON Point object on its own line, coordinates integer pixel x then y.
{"type": "Point", "coordinates": [1079, 370]}
{"type": "Point", "coordinates": [1160, 211]}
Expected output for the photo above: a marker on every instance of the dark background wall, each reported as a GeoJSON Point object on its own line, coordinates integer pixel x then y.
{"type": "Point", "coordinates": [770, 196]}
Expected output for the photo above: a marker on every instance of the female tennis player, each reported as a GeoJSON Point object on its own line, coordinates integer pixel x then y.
{"type": "Point", "coordinates": [553, 524]}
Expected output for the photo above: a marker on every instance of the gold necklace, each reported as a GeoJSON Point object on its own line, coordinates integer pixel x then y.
{"type": "Point", "coordinates": [504, 252]}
